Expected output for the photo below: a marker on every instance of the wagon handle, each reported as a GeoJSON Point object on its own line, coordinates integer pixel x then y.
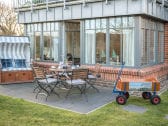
{"type": "Point", "coordinates": [119, 74]}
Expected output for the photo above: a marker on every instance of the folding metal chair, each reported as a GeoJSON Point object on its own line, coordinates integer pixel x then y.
{"type": "Point", "coordinates": [77, 80]}
{"type": "Point", "coordinates": [46, 85]}
{"type": "Point", "coordinates": [93, 77]}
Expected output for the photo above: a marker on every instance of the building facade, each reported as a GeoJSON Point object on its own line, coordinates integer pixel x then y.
{"type": "Point", "coordinates": [107, 32]}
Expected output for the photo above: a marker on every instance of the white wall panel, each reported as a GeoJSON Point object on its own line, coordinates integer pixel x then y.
{"type": "Point", "coordinates": [86, 11]}
{"type": "Point", "coordinates": [150, 8]}
{"type": "Point", "coordinates": [35, 16]}
{"type": "Point", "coordinates": [134, 6]}
{"type": "Point", "coordinates": [97, 10]}
{"type": "Point", "coordinates": [121, 7]}
{"type": "Point", "coordinates": [21, 17]}
{"type": "Point", "coordinates": [76, 11]}
{"type": "Point", "coordinates": [158, 11]}
{"type": "Point", "coordinates": [42, 15]}
{"type": "Point", "coordinates": [94, 9]}
{"type": "Point", "coordinates": [67, 13]}
{"type": "Point", "coordinates": [154, 8]}
{"type": "Point", "coordinates": [58, 13]}
{"type": "Point", "coordinates": [50, 14]}
{"type": "Point", "coordinates": [28, 17]}
{"type": "Point", "coordinates": [108, 9]}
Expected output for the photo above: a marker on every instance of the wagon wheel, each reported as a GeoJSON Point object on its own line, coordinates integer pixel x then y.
{"type": "Point", "coordinates": [155, 99]}
{"type": "Point", "coordinates": [146, 95]}
{"type": "Point", "coordinates": [126, 94]}
{"type": "Point", "coordinates": [121, 99]}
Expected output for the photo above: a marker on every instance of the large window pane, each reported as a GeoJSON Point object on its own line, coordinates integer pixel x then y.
{"type": "Point", "coordinates": [144, 51]}
{"type": "Point", "coordinates": [118, 22]}
{"type": "Point", "coordinates": [73, 42]}
{"type": "Point", "coordinates": [160, 47]}
{"type": "Point", "coordinates": [37, 46]}
{"type": "Point", "coordinates": [47, 46]}
{"type": "Point", "coordinates": [128, 47]}
{"type": "Point", "coordinates": [152, 47]}
{"type": "Point", "coordinates": [55, 46]}
{"type": "Point", "coordinates": [120, 41]}
{"type": "Point", "coordinates": [115, 46]}
{"type": "Point", "coordinates": [112, 23]}
{"type": "Point", "coordinates": [101, 46]}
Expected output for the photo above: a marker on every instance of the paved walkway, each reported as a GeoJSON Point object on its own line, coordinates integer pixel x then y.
{"type": "Point", "coordinates": [74, 102]}
{"type": "Point", "coordinates": [135, 108]}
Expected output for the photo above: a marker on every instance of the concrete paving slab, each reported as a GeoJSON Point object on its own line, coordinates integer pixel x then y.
{"type": "Point", "coordinates": [135, 108]}
{"type": "Point", "coordinates": [75, 102]}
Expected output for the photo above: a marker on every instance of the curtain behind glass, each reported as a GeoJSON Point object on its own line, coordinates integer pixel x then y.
{"type": "Point", "coordinates": [90, 47]}
{"type": "Point", "coordinates": [128, 47]}
{"type": "Point", "coordinates": [55, 46]}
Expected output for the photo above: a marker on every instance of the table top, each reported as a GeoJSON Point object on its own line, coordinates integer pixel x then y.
{"type": "Point", "coordinates": [67, 70]}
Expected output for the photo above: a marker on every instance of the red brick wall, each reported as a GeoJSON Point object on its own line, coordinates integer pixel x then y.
{"type": "Point", "coordinates": [166, 43]}
{"type": "Point", "coordinates": [110, 73]}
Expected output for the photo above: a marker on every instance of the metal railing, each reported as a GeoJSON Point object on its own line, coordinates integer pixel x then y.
{"type": "Point", "coordinates": [27, 3]}
{"type": "Point", "coordinates": [30, 3]}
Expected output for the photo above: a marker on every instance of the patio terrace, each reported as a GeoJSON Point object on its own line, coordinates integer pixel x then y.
{"type": "Point", "coordinates": [75, 102]}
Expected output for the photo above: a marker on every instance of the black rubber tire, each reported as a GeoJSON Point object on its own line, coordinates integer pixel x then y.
{"type": "Point", "coordinates": [121, 99]}
{"type": "Point", "coordinates": [146, 95]}
{"type": "Point", "coordinates": [155, 99]}
{"type": "Point", "coordinates": [126, 94]}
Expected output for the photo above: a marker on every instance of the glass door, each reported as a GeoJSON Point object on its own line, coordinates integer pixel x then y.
{"type": "Point", "coordinates": [73, 42]}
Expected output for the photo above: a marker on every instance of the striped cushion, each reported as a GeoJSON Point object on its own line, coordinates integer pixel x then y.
{"type": "Point", "coordinates": [76, 82]}
{"type": "Point", "coordinates": [48, 80]}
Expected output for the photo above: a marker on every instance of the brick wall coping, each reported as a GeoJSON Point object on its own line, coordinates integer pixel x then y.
{"type": "Point", "coordinates": [114, 70]}
{"type": "Point", "coordinates": [132, 71]}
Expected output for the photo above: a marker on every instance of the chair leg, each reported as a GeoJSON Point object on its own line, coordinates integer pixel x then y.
{"type": "Point", "coordinates": [42, 93]}
{"type": "Point", "coordinates": [68, 92]}
{"type": "Point", "coordinates": [92, 86]}
{"type": "Point", "coordinates": [35, 88]}
{"type": "Point", "coordinates": [84, 92]}
{"type": "Point", "coordinates": [45, 93]}
{"type": "Point", "coordinates": [52, 89]}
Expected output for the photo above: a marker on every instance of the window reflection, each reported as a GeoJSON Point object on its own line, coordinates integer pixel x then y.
{"type": "Point", "coordinates": [37, 46]}
{"type": "Point", "coordinates": [118, 22]}
{"type": "Point", "coordinates": [152, 42]}
{"type": "Point", "coordinates": [121, 41]}
{"type": "Point", "coordinates": [47, 46]}
{"type": "Point", "coordinates": [55, 46]}
{"type": "Point", "coordinates": [73, 41]}
{"type": "Point", "coordinates": [101, 46]}
{"type": "Point", "coordinates": [115, 46]}
{"type": "Point", "coordinates": [50, 39]}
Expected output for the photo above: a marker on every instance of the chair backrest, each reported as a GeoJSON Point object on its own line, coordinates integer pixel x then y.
{"type": "Point", "coordinates": [80, 74]}
{"type": "Point", "coordinates": [38, 72]}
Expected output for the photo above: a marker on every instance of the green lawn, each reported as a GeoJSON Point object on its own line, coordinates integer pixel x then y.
{"type": "Point", "coordinates": [17, 112]}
